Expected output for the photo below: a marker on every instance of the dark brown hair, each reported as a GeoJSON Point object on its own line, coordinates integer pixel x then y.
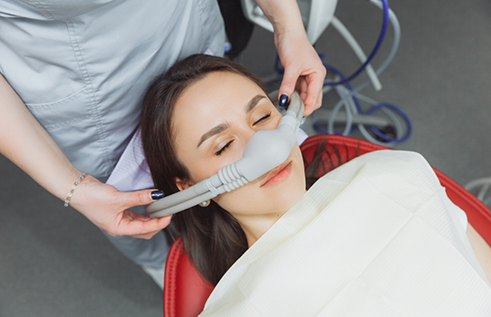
{"type": "Point", "coordinates": [212, 237]}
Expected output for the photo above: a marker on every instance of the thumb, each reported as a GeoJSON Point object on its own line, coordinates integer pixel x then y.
{"type": "Point", "coordinates": [289, 82]}
{"type": "Point", "coordinates": [139, 198]}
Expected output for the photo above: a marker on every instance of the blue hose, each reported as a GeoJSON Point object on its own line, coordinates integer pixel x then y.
{"type": "Point", "coordinates": [369, 112]}
{"type": "Point", "coordinates": [400, 113]}
{"type": "Point", "coordinates": [374, 51]}
{"type": "Point", "coordinates": [346, 81]}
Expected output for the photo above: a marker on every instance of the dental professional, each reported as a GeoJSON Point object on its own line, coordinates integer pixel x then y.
{"type": "Point", "coordinates": [73, 77]}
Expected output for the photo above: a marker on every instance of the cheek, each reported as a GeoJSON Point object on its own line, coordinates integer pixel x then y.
{"type": "Point", "coordinates": [253, 200]}
{"type": "Point", "coordinates": [236, 201]}
{"type": "Point", "coordinates": [204, 165]}
{"type": "Point", "coordinates": [202, 169]}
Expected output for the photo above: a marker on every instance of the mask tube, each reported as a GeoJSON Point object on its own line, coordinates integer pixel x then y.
{"type": "Point", "coordinates": [265, 150]}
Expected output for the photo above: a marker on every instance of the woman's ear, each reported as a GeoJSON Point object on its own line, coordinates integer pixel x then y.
{"type": "Point", "coordinates": [183, 184]}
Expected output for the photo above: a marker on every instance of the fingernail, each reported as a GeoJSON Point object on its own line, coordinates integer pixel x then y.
{"type": "Point", "coordinates": [283, 100]}
{"type": "Point", "coordinates": [173, 216]}
{"type": "Point", "coordinates": [157, 194]}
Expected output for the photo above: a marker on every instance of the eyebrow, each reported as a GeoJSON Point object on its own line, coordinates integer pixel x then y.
{"type": "Point", "coordinates": [223, 126]}
{"type": "Point", "coordinates": [216, 130]}
{"type": "Point", "coordinates": [253, 102]}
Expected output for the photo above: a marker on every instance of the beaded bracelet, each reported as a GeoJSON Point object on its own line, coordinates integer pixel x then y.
{"type": "Point", "coordinates": [70, 194]}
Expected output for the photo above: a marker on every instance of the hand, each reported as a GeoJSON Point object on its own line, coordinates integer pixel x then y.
{"type": "Point", "coordinates": [108, 209]}
{"type": "Point", "coordinates": [304, 71]}
{"type": "Point", "coordinates": [41, 158]}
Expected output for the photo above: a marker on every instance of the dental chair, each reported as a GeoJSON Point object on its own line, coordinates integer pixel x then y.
{"type": "Point", "coordinates": [185, 291]}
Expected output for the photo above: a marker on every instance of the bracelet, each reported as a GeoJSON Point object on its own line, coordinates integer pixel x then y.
{"type": "Point", "coordinates": [70, 194]}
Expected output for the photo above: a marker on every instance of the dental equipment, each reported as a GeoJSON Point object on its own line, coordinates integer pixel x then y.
{"type": "Point", "coordinates": [265, 150]}
{"type": "Point", "coordinates": [316, 16]}
{"type": "Point", "coordinates": [350, 97]}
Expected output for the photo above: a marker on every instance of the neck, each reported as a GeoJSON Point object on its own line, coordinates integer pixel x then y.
{"type": "Point", "coordinates": [255, 226]}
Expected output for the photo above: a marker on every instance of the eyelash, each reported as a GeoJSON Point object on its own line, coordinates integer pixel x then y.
{"type": "Point", "coordinates": [263, 118]}
{"type": "Point", "coordinates": [223, 148]}
{"type": "Point", "coordinates": [219, 152]}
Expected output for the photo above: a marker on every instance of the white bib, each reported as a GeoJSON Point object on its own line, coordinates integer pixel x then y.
{"type": "Point", "coordinates": [376, 237]}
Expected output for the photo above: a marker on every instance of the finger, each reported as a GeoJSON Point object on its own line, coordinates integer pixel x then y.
{"type": "Point", "coordinates": [139, 217]}
{"type": "Point", "coordinates": [315, 83]}
{"type": "Point", "coordinates": [304, 94]}
{"type": "Point", "coordinates": [289, 81]}
{"type": "Point", "coordinates": [318, 102]}
{"type": "Point", "coordinates": [302, 88]}
{"type": "Point", "coordinates": [138, 198]}
{"type": "Point", "coordinates": [134, 224]}
{"type": "Point", "coordinates": [147, 236]}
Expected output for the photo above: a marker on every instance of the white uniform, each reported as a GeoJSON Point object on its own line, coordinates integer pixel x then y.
{"type": "Point", "coordinates": [82, 67]}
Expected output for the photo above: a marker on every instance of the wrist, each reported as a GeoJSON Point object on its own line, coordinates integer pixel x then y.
{"type": "Point", "coordinates": [292, 25]}
{"type": "Point", "coordinates": [79, 194]}
{"type": "Point", "coordinates": [73, 188]}
{"type": "Point", "coordinates": [65, 182]}
{"type": "Point", "coordinates": [290, 38]}
{"type": "Point", "coordinates": [284, 16]}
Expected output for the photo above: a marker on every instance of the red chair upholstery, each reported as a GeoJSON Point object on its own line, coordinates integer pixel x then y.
{"type": "Point", "coordinates": [185, 291]}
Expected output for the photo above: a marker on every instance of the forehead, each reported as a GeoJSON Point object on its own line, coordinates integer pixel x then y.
{"type": "Point", "coordinates": [217, 86]}
{"type": "Point", "coordinates": [214, 98]}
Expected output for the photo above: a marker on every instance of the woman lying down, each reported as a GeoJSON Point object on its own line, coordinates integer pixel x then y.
{"type": "Point", "coordinates": [375, 237]}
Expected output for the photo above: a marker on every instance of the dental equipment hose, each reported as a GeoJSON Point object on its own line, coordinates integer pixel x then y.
{"type": "Point", "coordinates": [265, 150]}
{"type": "Point", "coordinates": [385, 7]}
{"type": "Point", "coordinates": [350, 97]}
{"type": "Point", "coordinates": [388, 14]}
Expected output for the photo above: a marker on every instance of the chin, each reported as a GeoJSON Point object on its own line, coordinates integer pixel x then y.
{"type": "Point", "coordinates": [289, 192]}
{"type": "Point", "coordinates": [275, 199]}
{"type": "Point", "coordinates": [284, 196]}
{"type": "Point", "coordinates": [289, 198]}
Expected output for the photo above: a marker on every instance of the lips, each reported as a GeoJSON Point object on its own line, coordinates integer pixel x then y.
{"type": "Point", "coordinates": [278, 174]}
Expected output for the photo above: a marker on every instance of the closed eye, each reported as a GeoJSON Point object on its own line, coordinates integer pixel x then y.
{"type": "Point", "coordinates": [262, 119]}
{"type": "Point", "coordinates": [217, 153]}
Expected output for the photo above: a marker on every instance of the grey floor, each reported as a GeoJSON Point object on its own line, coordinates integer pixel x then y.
{"type": "Point", "coordinates": [53, 262]}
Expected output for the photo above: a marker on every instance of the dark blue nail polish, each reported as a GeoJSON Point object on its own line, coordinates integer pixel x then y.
{"type": "Point", "coordinates": [157, 194]}
{"type": "Point", "coordinates": [283, 100]}
{"type": "Point", "coordinates": [173, 216]}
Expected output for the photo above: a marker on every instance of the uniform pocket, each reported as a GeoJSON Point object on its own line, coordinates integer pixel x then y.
{"type": "Point", "coordinates": [62, 113]}
{"type": "Point", "coordinates": [72, 124]}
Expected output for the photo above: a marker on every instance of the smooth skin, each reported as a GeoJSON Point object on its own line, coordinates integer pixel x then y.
{"type": "Point", "coordinates": [234, 108]}
{"type": "Point", "coordinates": [24, 141]}
{"type": "Point", "coordinates": [481, 249]}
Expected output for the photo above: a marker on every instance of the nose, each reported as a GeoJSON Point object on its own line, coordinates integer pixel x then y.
{"type": "Point", "coordinates": [265, 150]}
{"type": "Point", "coordinates": [248, 132]}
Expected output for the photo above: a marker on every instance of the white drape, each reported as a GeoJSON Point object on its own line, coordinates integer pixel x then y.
{"type": "Point", "coordinates": [375, 237]}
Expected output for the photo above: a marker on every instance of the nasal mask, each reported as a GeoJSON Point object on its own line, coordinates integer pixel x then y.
{"type": "Point", "coordinates": [265, 150]}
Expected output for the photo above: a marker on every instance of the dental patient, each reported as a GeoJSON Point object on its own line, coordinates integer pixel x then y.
{"type": "Point", "coordinates": [377, 236]}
